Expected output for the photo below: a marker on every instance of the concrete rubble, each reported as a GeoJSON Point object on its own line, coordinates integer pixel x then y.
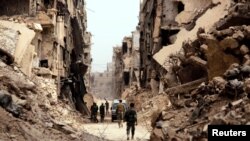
{"type": "Point", "coordinates": [49, 39]}
{"type": "Point", "coordinates": [45, 65]}
{"type": "Point", "coordinates": [186, 66]}
{"type": "Point", "coordinates": [194, 67]}
{"type": "Point", "coordinates": [30, 109]}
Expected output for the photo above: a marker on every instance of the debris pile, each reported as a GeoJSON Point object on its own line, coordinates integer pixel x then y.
{"type": "Point", "coordinates": [194, 110]}
{"type": "Point", "coordinates": [221, 56]}
{"type": "Point", "coordinates": [36, 111]}
{"type": "Point", "coordinates": [191, 121]}
{"type": "Point", "coordinates": [206, 82]}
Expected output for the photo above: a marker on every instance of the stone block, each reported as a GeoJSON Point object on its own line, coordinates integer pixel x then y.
{"type": "Point", "coordinates": [244, 49]}
{"type": "Point", "coordinates": [238, 35]}
{"type": "Point", "coordinates": [229, 42]}
{"type": "Point", "coordinates": [247, 85]}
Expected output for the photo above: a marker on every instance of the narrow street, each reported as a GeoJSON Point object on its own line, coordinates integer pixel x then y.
{"type": "Point", "coordinates": [110, 131]}
{"type": "Point", "coordinates": [181, 68]}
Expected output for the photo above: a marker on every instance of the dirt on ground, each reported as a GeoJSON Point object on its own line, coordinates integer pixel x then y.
{"type": "Point", "coordinates": [31, 110]}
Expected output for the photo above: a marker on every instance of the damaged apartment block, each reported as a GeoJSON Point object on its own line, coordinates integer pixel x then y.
{"type": "Point", "coordinates": [118, 70]}
{"type": "Point", "coordinates": [126, 63]}
{"type": "Point", "coordinates": [195, 52]}
{"type": "Point", "coordinates": [165, 26]}
{"type": "Point", "coordinates": [157, 28]}
{"type": "Point", "coordinates": [48, 38]}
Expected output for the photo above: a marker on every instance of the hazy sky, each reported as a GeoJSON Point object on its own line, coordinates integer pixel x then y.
{"type": "Point", "coordinates": [109, 21]}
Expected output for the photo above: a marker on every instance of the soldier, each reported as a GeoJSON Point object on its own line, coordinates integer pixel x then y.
{"type": "Point", "coordinates": [102, 112]}
{"type": "Point", "coordinates": [120, 112]}
{"type": "Point", "coordinates": [131, 118]}
{"type": "Point", "coordinates": [94, 110]}
{"type": "Point", "coordinates": [107, 107]}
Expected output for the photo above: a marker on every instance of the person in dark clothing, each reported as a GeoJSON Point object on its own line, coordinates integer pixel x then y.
{"type": "Point", "coordinates": [107, 107]}
{"type": "Point", "coordinates": [94, 110]}
{"type": "Point", "coordinates": [102, 112]}
{"type": "Point", "coordinates": [131, 118]}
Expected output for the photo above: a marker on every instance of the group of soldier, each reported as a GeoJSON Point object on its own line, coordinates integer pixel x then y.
{"type": "Point", "coordinates": [128, 116]}
{"type": "Point", "coordinates": [94, 111]}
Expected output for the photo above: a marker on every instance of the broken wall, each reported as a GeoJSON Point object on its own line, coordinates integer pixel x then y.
{"type": "Point", "coordinates": [27, 61]}
{"type": "Point", "coordinates": [166, 25]}
{"type": "Point", "coordinates": [118, 71]}
{"type": "Point", "coordinates": [192, 10]}
{"type": "Point", "coordinates": [8, 40]}
{"type": "Point", "coordinates": [87, 58]}
{"type": "Point", "coordinates": [25, 37]}
{"type": "Point", "coordinates": [37, 42]}
{"type": "Point", "coordinates": [16, 41]}
{"type": "Point", "coordinates": [45, 37]}
{"type": "Point", "coordinates": [146, 28]}
{"type": "Point", "coordinates": [48, 53]}
{"type": "Point", "coordinates": [135, 58]}
{"type": "Point", "coordinates": [204, 21]}
{"type": "Point", "coordinates": [170, 9]}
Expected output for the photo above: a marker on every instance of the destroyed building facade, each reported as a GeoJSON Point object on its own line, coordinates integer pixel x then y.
{"type": "Point", "coordinates": [48, 38]}
{"type": "Point", "coordinates": [126, 63]}
{"type": "Point", "coordinates": [117, 70]}
{"type": "Point", "coordinates": [195, 51]}
{"type": "Point", "coordinates": [165, 25]}
{"type": "Point", "coordinates": [158, 28]}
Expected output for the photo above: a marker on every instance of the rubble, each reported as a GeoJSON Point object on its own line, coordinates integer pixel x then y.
{"type": "Point", "coordinates": [230, 83]}
{"type": "Point", "coordinates": [203, 73]}
{"type": "Point", "coordinates": [44, 50]}
{"type": "Point", "coordinates": [247, 86]}
{"type": "Point", "coordinates": [38, 111]}
{"type": "Point", "coordinates": [35, 39]}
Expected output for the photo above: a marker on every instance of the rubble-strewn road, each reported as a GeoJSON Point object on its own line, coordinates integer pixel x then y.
{"type": "Point", "coordinates": [111, 131]}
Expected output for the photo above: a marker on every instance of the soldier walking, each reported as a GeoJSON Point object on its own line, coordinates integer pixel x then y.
{"type": "Point", "coordinates": [107, 107]}
{"type": "Point", "coordinates": [102, 112]}
{"type": "Point", "coordinates": [131, 118]}
{"type": "Point", "coordinates": [120, 113]}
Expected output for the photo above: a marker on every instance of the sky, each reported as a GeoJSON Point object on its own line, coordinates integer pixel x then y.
{"type": "Point", "coordinates": [109, 21]}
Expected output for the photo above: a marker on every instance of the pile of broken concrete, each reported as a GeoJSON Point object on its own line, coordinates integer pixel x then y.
{"type": "Point", "coordinates": [30, 109]}
{"type": "Point", "coordinates": [222, 57]}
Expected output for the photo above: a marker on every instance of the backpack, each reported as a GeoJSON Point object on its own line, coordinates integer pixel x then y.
{"type": "Point", "coordinates": [130, 116]}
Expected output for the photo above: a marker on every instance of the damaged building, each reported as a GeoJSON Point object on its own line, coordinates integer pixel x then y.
{"type": "Point", "coordinates": [117, 70]}
{"type": "Point", "coordinates": [194, 51]}
{"type": "Point", "coordinates": [126, 63]}
{"type": "Point", "coordinates": [48, 38]}
{"type": "Point", "coordinates": [165, 26]}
